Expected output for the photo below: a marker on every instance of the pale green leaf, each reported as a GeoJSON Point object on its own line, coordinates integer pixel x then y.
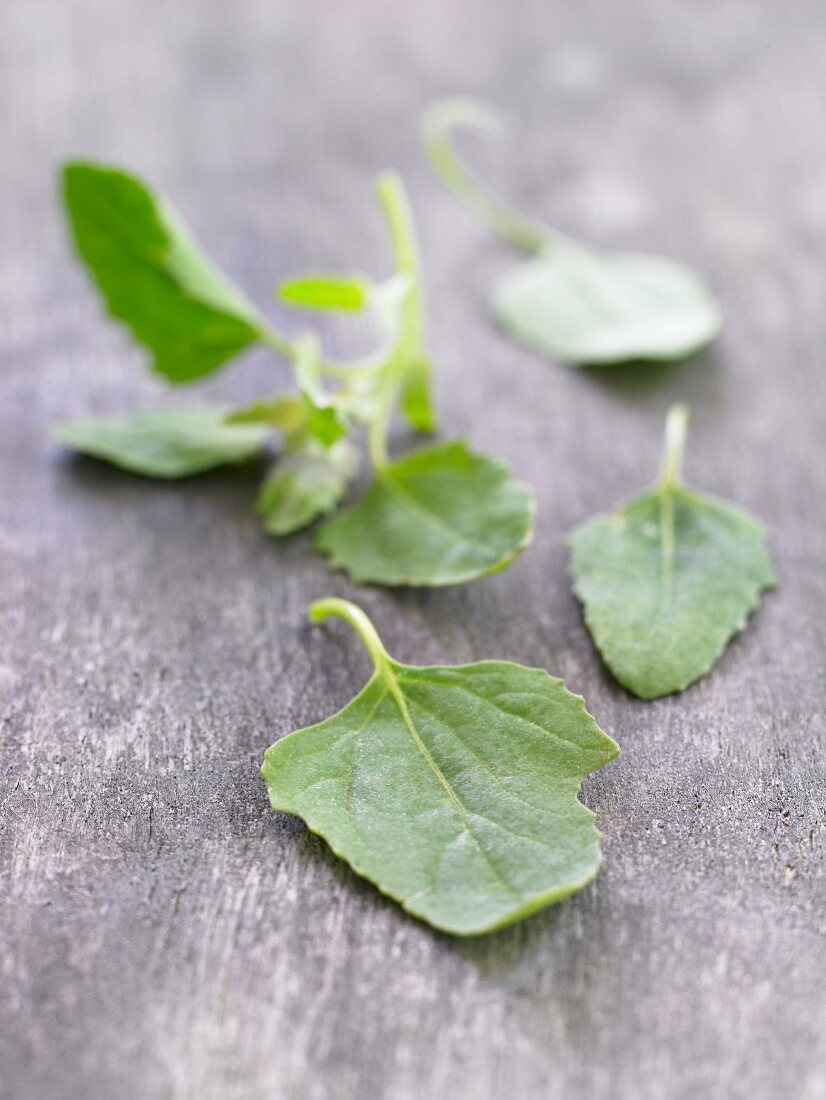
{"type": "Point", "coordinates": [304, 485]}
{"type": "Point", "coordinates": [165, 444]}
{"type": "Point", "coordinates": [439, 516]}
{"type": "Point", "coordinates": [311, 413]}
{"type": "Point", "coordinates": [453, 789]}
{"type": "Point", "coordinates": [667, 579]}
{"type": "Point", "coordinates": [341, 292]}
{"type": "Point", "coordinates": [586, 307]}
{"type": "Point", "coordinates": [153, 275]}
{"type": "Point", "coordinates": [571, 302]}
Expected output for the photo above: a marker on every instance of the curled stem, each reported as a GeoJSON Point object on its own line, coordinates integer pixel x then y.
{"type": "Point", "coordinates": [450, 114]}
{"type": "Point", "coordinates": [332, 606]}
{"type": "Point", "coordinates": [676, 428]}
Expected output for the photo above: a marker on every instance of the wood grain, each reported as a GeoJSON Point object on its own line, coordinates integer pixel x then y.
{"type": "Point", "coordinates": [164, 935]}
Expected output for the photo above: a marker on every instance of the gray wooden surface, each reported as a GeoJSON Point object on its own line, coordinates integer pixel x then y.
{"type": "Point", "coordinates": [163, 934]}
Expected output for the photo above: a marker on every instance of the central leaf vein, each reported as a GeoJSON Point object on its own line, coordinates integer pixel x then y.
{"type": "Point", "coordinates": [461, 809]}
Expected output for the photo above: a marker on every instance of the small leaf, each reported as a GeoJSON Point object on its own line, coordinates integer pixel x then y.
{"type": "Point", "coordinates": [284, 413]}
{"type": "Point", "coordinates": [345, 292]}
{"type": "Point", "coordinates": [453, 789]}
{"type": "Point", "coordinates": [165, 444]}
{"type": "Point", "coordinates": [153, 275]}
{"type": "Point", "coordinates": [668, 578]}
{"type": "Point", "coordinates": [304, 485]}
{"type": "Point", "coordinates": [589, 308]}
{"type": "Point", "coordinates": [310, 413]}
{"type": "Point", "coordinates": [442, 515]}
{"type": "Point", "coordinates": [417, 395]}
{"type": "Point", "coordinates": [322, 416]}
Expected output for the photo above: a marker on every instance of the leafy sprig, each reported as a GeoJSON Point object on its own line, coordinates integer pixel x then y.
{"type": "Point", "coordinates": [155, 278]}
{"type": "Point", "coordinates": [570, 301]}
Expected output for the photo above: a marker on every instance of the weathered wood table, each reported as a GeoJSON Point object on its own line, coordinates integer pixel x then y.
{"type": "Point", "coordinates": [163, 934]}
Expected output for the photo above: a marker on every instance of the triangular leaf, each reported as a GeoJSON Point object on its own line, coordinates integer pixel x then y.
{"type": "Point", "coordinates": [165, 444]}
{"type": "Point", "coordinates": [441, 515]}
{"type": "Point", "coordinates": [667, 579]}
{"type": "Point", "coordinates": [454, 789]}
{"type": "Point", "coordinates": [153, 275]}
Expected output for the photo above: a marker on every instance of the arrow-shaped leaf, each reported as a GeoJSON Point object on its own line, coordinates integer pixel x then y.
{"type": "Point", "coordinates": [668, 578]}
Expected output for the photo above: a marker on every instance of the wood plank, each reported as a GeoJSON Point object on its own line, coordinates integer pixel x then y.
{"type": "Point", "coordinates": [163, 934]}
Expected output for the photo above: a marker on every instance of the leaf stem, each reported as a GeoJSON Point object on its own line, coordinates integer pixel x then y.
{"type": "Point", "coordinates": [676, 428]}
{"type": "Point", "coordinates": [356, 618]}
{"type": "Point", "coordinates": [396, 208]}
{"type": "Point", "coordinates": [439, 120]}
{"type": "Point", "coordinates": [278, 342]}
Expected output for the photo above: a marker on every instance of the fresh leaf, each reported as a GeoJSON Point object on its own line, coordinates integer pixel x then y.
{"type": "Point", "coordinates": [311, 413]}
{"type": "Point", "coordinates": [323, 419]}
{"type": "Point", "coordinates": [579, 305]}
{"type": "Point", "coordinates": [165, 444]}
{"type": "Point", "coordinates": [344, 292]}
{"type": "Point", "coordinates": [441, 515]}
{"type": "Point", "coordinates": [584, 307]}
{"type": "Point", "coordinates": [152, 274]}
{"type": "Point", "coordinates": [417, 395]}
{"type": "Point", "coordinates": [304, 485]}
{"type": "Point", "coordinates": [668, 578]}
{"type": "Point", "coordinates": [285, 413]}
{"type": "Point", "coordinates": [453, 789]}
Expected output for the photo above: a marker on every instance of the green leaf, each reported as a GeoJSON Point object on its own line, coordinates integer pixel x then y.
{"type": "Point", "coordinates": [417, 395]}
{"type": "Point", "coordinates": [346, 292]}
{"type": "Point", "coordinates": [322, 416]}
{"type": "Point", "coordinates": [312, 413]}
{"type": "Point", "coordinates": [285, 413]}
{"type": "Point", "coordinates": [585, 307]}
{"type": "Point", "coordinates": [441, 515]}
{"type": "Point", "coordinates": [579, 305]}
{"type": "Point", "coordinates": [304, 485]}
{"type": "Point", "coordinates": [165, 444]}
{"type": "Point", "coordinates": [152, 274]}
{"type": "Point", "coordinates": [453, 789]}
{"type": "Point", "coordinates": [668, 578]}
